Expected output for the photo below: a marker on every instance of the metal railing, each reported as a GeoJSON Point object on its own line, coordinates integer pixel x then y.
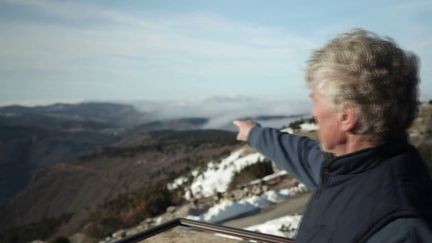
{"type": "Point", "coordinates": [197, 225]}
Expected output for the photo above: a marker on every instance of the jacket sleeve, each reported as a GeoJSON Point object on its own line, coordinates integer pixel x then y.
{"type": "Point", "coordinates": [406, 230]}
{"type": "Point", "coordinates": [300, 156]}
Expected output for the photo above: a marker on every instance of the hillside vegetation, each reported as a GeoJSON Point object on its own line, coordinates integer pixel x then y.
{"type": "Point", "coordinates": [124, 175]}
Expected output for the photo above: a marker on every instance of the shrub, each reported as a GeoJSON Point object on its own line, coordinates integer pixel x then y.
{"type": "Point", "coordinates": [60, 239]}
{"type": "Point", "coordinates": [41, 230]}
{"type": "Point", "coordinates": [129, 209]}
{"type": "Point", "coordinates": [252, 172]}
{"type": "Point", "coordinates": [295, 126]}
{"type": "Point", "coordinates": [102, 226]}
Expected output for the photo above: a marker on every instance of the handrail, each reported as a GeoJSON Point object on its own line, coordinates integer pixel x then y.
{"type": "Point", "coordinates": [241, 233]}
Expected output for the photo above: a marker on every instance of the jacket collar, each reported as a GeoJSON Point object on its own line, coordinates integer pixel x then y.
{"type": "Point", "coordinates": [365, 159]}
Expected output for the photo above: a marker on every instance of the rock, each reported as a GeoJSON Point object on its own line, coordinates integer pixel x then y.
{"type": "Point", "coordinates": [239, 194]}
{"type": "Point", "coordinates": [256, 190]}
{"type": "Point", "coordinates": [149, 220]}
{"type": "Point", "coordinates": [107, 239]}
{"type": "Point", "coordinates": [133, 231]}
{"type": "Point", "coordinates": [119, 234]}
{"type": "Point", "coordinates": [184, 210]}
{"type": "Point", "coordinates": [80, 238]}
{"type": "Point", "coordinates": [141, 227]}
{"type": "Point", "coordinates": [171, 209]}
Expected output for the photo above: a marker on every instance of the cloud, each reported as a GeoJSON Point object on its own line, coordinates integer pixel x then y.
{"type": "Point", "coordinates": [98, 52]}
{"type": "Point", "coordinates": [118, 34]}
{"type": "Point", "coordinates": [222, 110]}
{"type": "Point", "coordinates": [86, 38]}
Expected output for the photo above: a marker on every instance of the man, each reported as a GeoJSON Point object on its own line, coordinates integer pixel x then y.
{"type": "Point", "coordinates": [370, 184]}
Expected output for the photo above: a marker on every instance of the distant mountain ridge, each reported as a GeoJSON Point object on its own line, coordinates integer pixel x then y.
{"type": "Point", "coordinates": [90, 109]}
{"type": "Point", "coordinates": [36, 138]}
{"type": "Point", "coordinates": [118, 114]}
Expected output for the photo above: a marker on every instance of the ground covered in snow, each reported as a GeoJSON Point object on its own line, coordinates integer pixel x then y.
{"type": "Point", "coordinates": [284, 226]}
{"type": "Point", "coordinates": [227, 209]}
{"type": "Point", "coordinates": [217, 176]}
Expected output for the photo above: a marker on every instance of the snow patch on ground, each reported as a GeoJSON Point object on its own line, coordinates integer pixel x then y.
{"type": "Point", "coordinates": [217, 176]}
{"type": "Point", "coordinates": [304, 127]}
{"type": "Point", "coordinates": [177, 183]}
{"type": "Point", "coordinates": [289, 192]}
{"type": "Point", "coordinates": [274, 196]}
{"type": "Point", "coordinates": [308, 127]}
{"type": "Point", "coordinates": [269, 177]}
{"type": "Point", "coordinates": [258, 202]}
{"type": "Point", "coordinates": [224, 211]}
{"type": "Point", "coordinates": [227, 209]}
{"type": "Point", "coordinates": [284, 226]}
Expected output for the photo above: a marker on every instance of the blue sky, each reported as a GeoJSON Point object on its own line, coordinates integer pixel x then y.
{"type": "Point", "coordinates": [71, 51]}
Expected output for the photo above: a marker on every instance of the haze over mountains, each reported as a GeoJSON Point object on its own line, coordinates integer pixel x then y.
{"type": "Point", "coordinates": [36, 138]}
{"type": "Point", "coordinates": [64, 160]}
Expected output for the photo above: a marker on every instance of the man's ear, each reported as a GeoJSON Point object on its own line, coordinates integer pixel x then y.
{"type": "Point", "coordinates": [349, 117]}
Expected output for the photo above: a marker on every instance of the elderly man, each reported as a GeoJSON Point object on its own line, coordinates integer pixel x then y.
{"type": "Point", "coordinates": [370, 184]}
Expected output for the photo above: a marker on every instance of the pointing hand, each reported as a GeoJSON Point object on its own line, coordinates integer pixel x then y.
{"type": "Point", "coordinates": [244, 128]}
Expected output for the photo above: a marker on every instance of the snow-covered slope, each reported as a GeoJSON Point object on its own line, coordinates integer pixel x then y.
{"type": "Point", "coordinates": [217, 176]}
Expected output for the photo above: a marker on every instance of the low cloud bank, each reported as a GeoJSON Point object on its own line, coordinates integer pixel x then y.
{"type": "Point", "coordinates": [222, 110]}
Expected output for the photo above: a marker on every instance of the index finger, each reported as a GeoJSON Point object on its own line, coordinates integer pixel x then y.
{"type": "Point", "coordinates": [237, 123]}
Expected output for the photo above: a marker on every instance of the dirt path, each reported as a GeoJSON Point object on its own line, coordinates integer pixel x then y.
{"type": "Point", "coordinates": [291, 206]}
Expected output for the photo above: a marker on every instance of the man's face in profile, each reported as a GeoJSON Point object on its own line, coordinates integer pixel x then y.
{"type": "Point", "coordinates": [328, 122]}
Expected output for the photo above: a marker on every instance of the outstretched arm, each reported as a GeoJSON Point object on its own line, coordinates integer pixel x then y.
{"type": "Point", "coordinates": [300, 156]}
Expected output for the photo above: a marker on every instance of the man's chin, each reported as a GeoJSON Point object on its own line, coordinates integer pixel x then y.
{"type": "Point", "coordinates": [325, 149]}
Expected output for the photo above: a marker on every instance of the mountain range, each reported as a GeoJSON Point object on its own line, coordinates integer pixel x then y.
{"type": "Point", "coordinates": [66, 159]}
{"type": "Point", "coordinates": [35, 138]}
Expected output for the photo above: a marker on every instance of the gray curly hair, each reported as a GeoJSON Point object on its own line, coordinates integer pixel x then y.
{"type": "Point", "coordinates": [373, 73]}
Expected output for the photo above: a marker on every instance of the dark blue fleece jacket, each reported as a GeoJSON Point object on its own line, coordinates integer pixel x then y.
{"type": "Point", "coordinates": [303, 158]}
